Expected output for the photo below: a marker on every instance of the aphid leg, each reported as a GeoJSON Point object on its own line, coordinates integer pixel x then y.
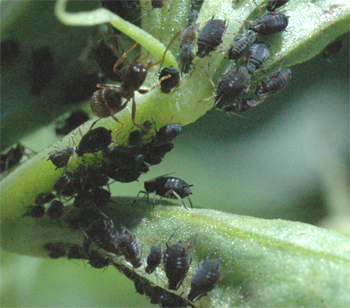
{"type": "Point", "coordinates": [177, 196]}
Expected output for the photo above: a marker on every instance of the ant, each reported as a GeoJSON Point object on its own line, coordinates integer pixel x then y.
{"type": "Point", "coordinates": [107, 101]}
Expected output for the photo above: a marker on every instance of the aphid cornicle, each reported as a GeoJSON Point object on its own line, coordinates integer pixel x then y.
{"type": "Point", "coordinates": [176, 264]}
{"type": "Point", "coordinates": [55, 210]}
{"type": "Point", "coordinates": [231, 86]}
{"type": "Point", "coordinates": [60, 157]}
{"type": "Point", "coordinates": [274, 82]}
{"type": "Point", "coordinates": [129, 248]}
{"type": "Point", "coordinates": [94, 140]}
{"type": "Point", "coordinates": [241, 44]}
{"type": "Point", "coordinates": [258, 54]}
{"type": "Point", "coordinates": [210, 36]}
{"type": "Point", "coordinates": [204, 279]}
{"type": "Point", "coordinates": [154, 258]}
{"type": "Point", "coordinates": [169, 187]}
{"type": "Point", "coordinates": [275, 4]}
{"type": "Point", "coordinates": [269, 23]}
{"type": "Point", "coordinates": [168, 84]}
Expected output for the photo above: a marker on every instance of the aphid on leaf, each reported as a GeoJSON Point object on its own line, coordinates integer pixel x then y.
{"type": "Point", "coordinates": [241, 44]}
{"type": "Point", "coordinates": [154, 258]}
{"type": "Point", "coordinates": [258, 54]}
{"type": "Point", "coordinates": [129, 248]}
{"type": "Point", "coordinates": [174, 78]}
{"type": "Point", "coordinates": [186, 58]}
{"type": "Point", "coordinates": [269, 23]}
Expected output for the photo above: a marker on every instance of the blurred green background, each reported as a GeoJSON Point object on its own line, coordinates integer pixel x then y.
{"type": "Point", "coordinates": [288, 159]}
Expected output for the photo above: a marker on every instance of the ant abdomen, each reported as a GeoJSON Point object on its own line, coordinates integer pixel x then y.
{"type": "Point", "coordinates": [105, 102]}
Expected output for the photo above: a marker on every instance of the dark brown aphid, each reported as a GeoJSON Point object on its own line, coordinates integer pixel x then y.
{"type": "Point", "coordinates": [40, 69]}
{"type": "Point", "coordinates": [65, 184]}
{"type": "Point", "coordinates": [189, 35]}
{"type": "Point", "coordinates": [174, 78]}
{"type": "Point", "coordinates": [332, 49]}
{"type": "Point", "coordinates": [80, 89]}
{"type": "Point", "coordinates": [154, 258]}
{"type": "Point", "coordinates": [258, 54]}
{"type": "Point", "coordinates": [186, 58]}
{"type": "Point", "coordinates": [241, 44]}
{"type": "Point", "coordinates": [274, 83]}
{"type": "Point", "coordinates": [157, 152]}
{"type": "Point", "coordinates": [36, 211]}
{"type": "Point", "coordinates": [94, 140]}
{"type": "Point", "coordinates": [210, 36]}
{"type": "Point", "coordinates": [43, 198]}
{"type": "Point", "coordinates": [192, 18]}
{"type": "Point", "coordinates": [61, 157]}
{"type": "Point", "coordinates": [77, 118]}
{"type": "Point", "coordinates": [135, 138]}
{"type": "Point", "coordinates": [76, 252]}
{"type": "Point", "coordinates": [9, 50]}
{"type": "Point", "coordinates": [176, 264]}
{"type": "Point", "coordinates": [275, 4]}
{"type": "Point", "coordinates": [231, 86]}
{"type": "Point", "coordinates": [96, 260]}
{"type": "Point", "coordinates": [104, 234]}
{"type": "Point", "coordinates": [269, 23]}
{"type": "Point", "coordinates": [167, 133]}
{"type": "Point", "coordinates": [99, 196]}
{"type": "Point", "coordinates": [169, 187]}
{"type": "Point", "coordinates": [55, 210]}
{"type": "Point", "coordinates": [12, 157]}
{"type": "Point", "coordinates": [129, 248]}
{"type": "Point", "coordinates": [56, 250]}
{"type": "Point", "coordinates": [241, 105]}
{"type": "Point", "coordinates": [123, 175]}
{"type": "Point", "coordinates": [204, 279]}
{"type": "Point", "coordinates": [125, 157]}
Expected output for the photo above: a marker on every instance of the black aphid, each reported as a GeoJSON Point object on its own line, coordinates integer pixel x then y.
{"type": "Point", "coordinates": [241, 44]}
{"type": "Point", "coordinates": [210, 36]}
{"type": "Point", "coordinates": [241, 105]}
{"type": "Point", "coordinates": [156, 153]}
{"type": "Point", "coordinates": [77, 118]}
{"type": "Point", "coordinates": [274, 82]}
{"type": "Point", "coordinates": [125, 157]}
{"type": "Point", "coordinates": [94, 140]}
{"type": "Point", "coordinates": [154, 258]}
{"type": "Point", "coordinates": [76, 252]}
{"type": "Point", "coordinates": [186, 58]}
{"type": "Point", "coordinates": [97, 260]}
{"type": "Point", "coordinates": [55, 210]}
{"type": "Point", "coordinates": [231, 86]}
{"type": "Point", "coordinates": [40, 69]}
{"type": "Point", "coordinates": [104, 234]}
{"type": "Point", "coordinates": [60, 157]}
{"type": "Point", "coordinates": [275, 4]}
{"type": "Point", "coordinates": [65, 185]}
{"type": "Point", "coordinates": [157, 4]}
{"type": "Point", "coordinates": [44, 198]}
{"type": "Point", "coordinates": [258, 54]}
{"type": "Point", "coordinates": [169, 187]}
{"type": "Point", "coordinates": [56, 250]}
{"type": "Point", "coordinates": [129, 248]}
{"type": "Point", "coordinates": [176, 264]}
{"type": "Point", "coordinates": [9, 50]}
{"type": "Point", "coordinates": [332, 49]}
{"type": "Point", "coordinates": [269, 23]}
{"type": "Point", "coordinates": [12, 157]}
{"type": "Point", "coordinates": [167, 133]}
{"type": "Point", "coordinates": [204, 279]}
{"type": "Point", "coordinates": [135, 138]}
{"type": "Point", "coordinates": [36, 211]}
{"type": "Point", "coordinates": [168, 84]}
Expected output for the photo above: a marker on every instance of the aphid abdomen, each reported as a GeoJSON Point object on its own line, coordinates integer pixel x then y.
{"type": "Point", "coordinates": [94, 140]}
{"type": "Point", "coordinates": [241, 44]}
{"type": "Point", "coordinates": [269, 23]}
{"type": "Point", "coordinates": [275, 82]}
{"type": "Point", "coordinates": [259, 53]}
{"type": "Point", "coordinates": [154, 258]}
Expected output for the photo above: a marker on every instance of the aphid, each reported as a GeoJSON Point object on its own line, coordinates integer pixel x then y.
{"type": "Point", "coordinates": [55, 210]}
{"type": "Point", "coordinates": [104, 234]}
{"type": "Point", "coordinates": [275, 82]}
{"type": "Point", "coordinates": [135, 138]}
{"type": "Point", "coordinates": [36, 211]}
{"type": "Point", "coordinates": [43, 198]}
{"type": "Point", "coordinates": [186, 58]}
{"type": "Point", "coordinates": [40, 69]}
{"type": "Point", "coordinates": [258, 54]}
{"type": "Point", "coordinates": [332, 49]}
{"type": "Point", "coordinates": [169, 187]}
{"type": "Point", "coordinates": [189, 35]}
{"type": "Point", "coordinates": [210, 36]}
{"type": "Point", "coordinates": [94, 140]}
{"type": "Point", "coordinates": [56, 250]}
{"type": "Point", "coordinates": [154, 258]}
{"type": "Point", "coordinates": [99, 196]}
{"type": "Point", "coordinates": [76, 252]}
{"type": "Point", "coordinates": [80, 88]}
{"type": "Point", "coordinates": [242, 105]}
{"type": "Point", "coordinates": [167, 133]}
{"type": "Point", "coordinates": [77, 118]}
{"type": "Point", "coordinates": [275, 4]}
{"type": "Point", "coordinates": [9, 50]}
{"type": "Point", "coordinates": [174, 78]}
{"type": "Point", "coordinates": [12, 157]}
{"type": "Point", "coordinates": [125, 157]}
{"type": "Point", "coordinates": [97, 260]}
{"type": "Point", "coordinates": [241, 44]}
{"type": "Point", "coordinates": [129, 248]}
{"type": "Point", "coordinates": [192, 18]}
{"type": "Point", "coordinates": [204, 279]}
{"type": "Point", "coordinates": [65, 184]}
{"type": "Point", "coordinates": [269, 23]}
{"type": "Point", "coordinates": [157, 152]}
{"type": "Point", "coordinates": [60, 157]}
{"type": "Point", "coordinates": [231, 86]}
{"type": "Point", "coordinates": [123, 175]}
{"type": "Point", "coordinates": [176, 264]}
{"type": "Point", "coordinates": [105, 58]}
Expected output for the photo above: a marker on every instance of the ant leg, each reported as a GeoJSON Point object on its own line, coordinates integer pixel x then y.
{"type": "Point", "coordinates": [106, 86]}
{"type": "Point", "coordinates": [114, 42]}
{"type": "Point", "coordinates": [121, 59]}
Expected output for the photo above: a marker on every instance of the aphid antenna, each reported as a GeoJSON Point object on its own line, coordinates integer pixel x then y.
{"type": "Point", "coordinates": [177, 196]}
